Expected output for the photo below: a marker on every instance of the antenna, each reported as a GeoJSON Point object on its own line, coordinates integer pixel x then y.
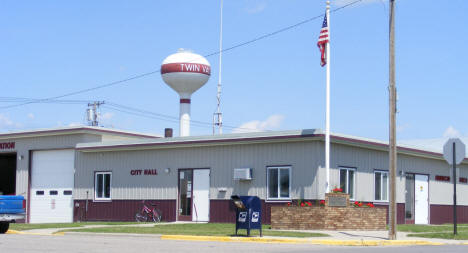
{"type": "Point", "coordinates": [218, 116]}
{"type": "Point", "coordinates": [92, 113]}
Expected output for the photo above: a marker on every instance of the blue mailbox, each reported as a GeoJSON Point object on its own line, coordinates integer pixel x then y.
{"type": "Point", "coordinates": [248, 213]}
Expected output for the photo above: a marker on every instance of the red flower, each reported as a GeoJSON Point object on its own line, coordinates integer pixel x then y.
{"type": "Point", "coordinates": [289, 203]}
{"type": "Point", "coordinates": [337, 190]}
{"type": "Point", "coordinates": [356, 203]}
{"type": "Point", "coordinates": [322, 201]}
{"type": "Point", "coordinates": [302, 204]}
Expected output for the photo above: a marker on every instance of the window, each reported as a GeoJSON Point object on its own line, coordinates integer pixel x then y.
{"type": "Point", "coordinates": [381, 185]}
{"type": "Point", "coordinates": [279, 182]}
{"type": "Point", "coordinates": [347, 176]}
{"type": "Point", "coordinates": [102, 186]}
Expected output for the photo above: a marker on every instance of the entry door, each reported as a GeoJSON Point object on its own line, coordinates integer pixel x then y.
{"type": "Point", "coordinates": [194, 195]}
{"type": "Point", "coordinates": [52, 182]}
{"type": "Point", "coordinates": [421, 199]}
{"type": "Point", "coordinates": [201, 195]}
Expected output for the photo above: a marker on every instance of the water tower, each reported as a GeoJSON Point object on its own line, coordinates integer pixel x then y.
{"type": "Point", "coordinates": [185, 72]}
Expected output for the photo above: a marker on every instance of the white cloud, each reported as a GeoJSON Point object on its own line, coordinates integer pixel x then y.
{"type": "Point", "coordinates": [256, 7]}
{"type": "Point", "coordinates": [6, 122]}
{"type": "Point", "coordinates": [272, 122]}
{"type": "Point", "coordinates": [435, 144]}
{"type": "Point", "coordinates": [75, 124]}
{"type": "Point", "coordinates": [31, 115]}
{"type": "Point", "coordinates": [451, 132]}
{"type": "Point", "coordinates": [107, 116]}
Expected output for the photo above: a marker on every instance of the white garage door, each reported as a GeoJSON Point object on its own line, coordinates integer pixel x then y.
{"type": "Point", "coordinates": [52, 181]}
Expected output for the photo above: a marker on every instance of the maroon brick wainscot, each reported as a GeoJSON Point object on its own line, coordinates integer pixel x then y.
{"type": "Point", "coordinates": [120, 210]}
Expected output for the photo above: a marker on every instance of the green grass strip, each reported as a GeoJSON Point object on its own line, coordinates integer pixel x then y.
{"type": "Point", "coordinates": [443, 235]}
{"type": "Point", "coordinates": [209, 229]}
{"type": "Point", "coordinates": [24, 226]}
{"type": "Point", "coordinates": [430, 228]}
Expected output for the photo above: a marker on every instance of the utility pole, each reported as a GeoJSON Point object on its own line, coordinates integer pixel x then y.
{"type": "Point", "coordinates": [392, 234]}
{"type": "Point", "coordinates": [92, 113]}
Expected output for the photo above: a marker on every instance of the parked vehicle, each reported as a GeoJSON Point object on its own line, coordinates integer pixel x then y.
{"type": "Point", "coordinates": [12, 208]}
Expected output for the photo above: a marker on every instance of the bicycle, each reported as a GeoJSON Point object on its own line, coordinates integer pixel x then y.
{"type": "Point", "coordinates": [148, 214]}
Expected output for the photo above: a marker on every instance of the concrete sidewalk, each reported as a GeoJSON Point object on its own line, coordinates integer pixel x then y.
{"type": "Point", "coordinates": [345, 238]}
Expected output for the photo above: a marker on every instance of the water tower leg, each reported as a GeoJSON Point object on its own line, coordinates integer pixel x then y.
{"type": "Point", "coordinates": [184, 117]}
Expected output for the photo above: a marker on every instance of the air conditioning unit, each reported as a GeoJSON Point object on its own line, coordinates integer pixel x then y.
{"type": "Point", "coordinates": [243, 174]}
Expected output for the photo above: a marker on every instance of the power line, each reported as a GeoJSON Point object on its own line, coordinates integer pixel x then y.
{"type": "Point", "coordinates": [159, 116]}
{"type": "Point", "coordinates": [208, 55]}
{"type": "Point", "coordinates": [85, 90]}
{"type": "Point", "coordinates": [117, 107]}
{"type": "Point", "coordinates": [35, 100]}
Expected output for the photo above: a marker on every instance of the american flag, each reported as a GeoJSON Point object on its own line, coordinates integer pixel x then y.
{"type": "Point", "coordinates": [322, 41]}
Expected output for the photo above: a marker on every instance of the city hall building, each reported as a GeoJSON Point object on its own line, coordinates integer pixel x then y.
{"type": "Point", "coordinates": [98, 174]}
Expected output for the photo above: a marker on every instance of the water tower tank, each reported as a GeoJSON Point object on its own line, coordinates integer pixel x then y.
{"type": "Point", "coordinates": [185, 72]}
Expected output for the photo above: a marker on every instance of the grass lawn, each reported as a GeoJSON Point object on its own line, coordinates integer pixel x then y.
{"type": "Point", "coordinates": [208, 229]}
{"type": "Point", "coordinates": [431, 228]}
{"type": "Point", "coordinates": [443, 235]}
{"type": "Point", "coordinates": [23, 226]}
{"type": "Point", "coordinates": [444, 231]}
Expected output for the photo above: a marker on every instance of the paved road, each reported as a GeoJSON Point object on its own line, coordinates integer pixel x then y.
{"type": "Point", "coordinates": [15, 243]}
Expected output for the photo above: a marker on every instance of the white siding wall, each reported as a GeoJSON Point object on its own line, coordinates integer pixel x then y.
{"type": "Point", "coordinates": [304, 157]}
{"type": "Point", "coordinates": [367, 161]}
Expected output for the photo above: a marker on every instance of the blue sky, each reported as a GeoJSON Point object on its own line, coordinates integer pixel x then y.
{"type": "Point", "coordinates": [49, 48]}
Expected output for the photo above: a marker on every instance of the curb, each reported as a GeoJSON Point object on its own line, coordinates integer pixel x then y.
{"type": "Point", "coordinates": [299, 241]}
{"type": "Point", "coordinates": [110, 234]}
{"type": "Point", "coordinates": [13, 232]}
{"type": "Point", "coordinates": [16, 232]}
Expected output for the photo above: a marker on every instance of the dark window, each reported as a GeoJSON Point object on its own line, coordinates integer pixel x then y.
{"type": "Point", "coordinates": [279, 182]}
{"type": "Point", "coordinates": [67, 192]}
{"type": "Point", "coordinates": [381, 185]}
{"type": "Point", "coordinates": [39, 192]}
{"type": "Point", "coordinates": [53, 192]}
{"type": "Point", "coordinates": [347, 181]}
{"type": "Point", "coordinates": [102, 187]}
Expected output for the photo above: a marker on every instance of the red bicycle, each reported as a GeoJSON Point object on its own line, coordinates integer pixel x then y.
{"type": "Point", "coordinates": [148, 214]}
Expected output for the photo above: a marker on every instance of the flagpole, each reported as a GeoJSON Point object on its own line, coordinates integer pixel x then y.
{"type": "Point", "coordinates": [327, 120]}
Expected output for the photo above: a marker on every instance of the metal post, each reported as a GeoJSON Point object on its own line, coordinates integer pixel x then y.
{"type": "Point", "coordinates": [86, 208]}
{"type": "Point", "coordinates": [392, 235]}
{"type": "Point", "coordinates": [327, 117]}
{"type": "Point", "coordinates": [218, 116]}
{"type": "Point", "coordinates": [454, 164]}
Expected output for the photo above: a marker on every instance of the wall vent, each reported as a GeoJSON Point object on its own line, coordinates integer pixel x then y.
{"type": "Point", "coordinates": [243, 174]}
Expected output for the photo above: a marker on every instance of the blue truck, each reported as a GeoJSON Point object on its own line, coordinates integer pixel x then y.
{"type": "Point", "coordinates": [11, 210]}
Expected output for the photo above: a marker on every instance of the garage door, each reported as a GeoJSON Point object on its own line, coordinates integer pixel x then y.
{"type": "Point", "coordinates": [52, 181]}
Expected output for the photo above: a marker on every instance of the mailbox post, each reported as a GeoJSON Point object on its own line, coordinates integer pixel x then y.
{"type": "Point", "coordinates": [248, 213]}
